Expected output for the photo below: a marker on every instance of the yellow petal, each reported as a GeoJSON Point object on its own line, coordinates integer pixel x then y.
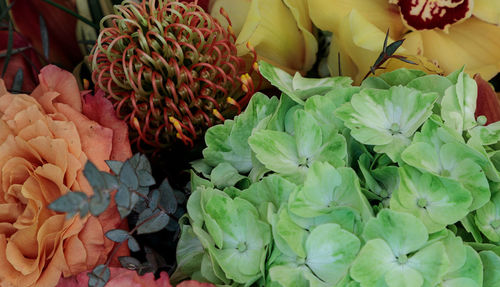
{"type": "Point", "coordinates": [474, 43]}
{"type": "Point", "coordinates": [339, 62]}
{"type": "Point", "coordinates": [487, 10]}
{"type": "Point", "coordinates": [236, 9]}
{"type": "Point", "coordinates": [271, 28]}
{"type": "Point", "coordinates": [362, 42]}
{"type": "Point", "coordinates": [300, 12]}
{"type": "Point", "coordinates": [421, 63]}
{"type": "Point", "coordinates": [329, 14]}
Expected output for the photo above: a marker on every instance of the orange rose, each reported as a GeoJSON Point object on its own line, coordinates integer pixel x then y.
{"type": "Point", "coordinates": [121, 277]}
{"type": "Point", "coordinates": [45, 141]}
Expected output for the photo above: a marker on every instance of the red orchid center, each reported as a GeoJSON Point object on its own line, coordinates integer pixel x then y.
{"type": "Point", "coordinates": [431, 14]}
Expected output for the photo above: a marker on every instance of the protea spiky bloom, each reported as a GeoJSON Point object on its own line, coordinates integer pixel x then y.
{"type": "Point", "coordinates": [171, 71]}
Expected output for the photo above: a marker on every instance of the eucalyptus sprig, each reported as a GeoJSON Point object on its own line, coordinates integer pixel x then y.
{"type": "Point", "coordinates": [130, 184]}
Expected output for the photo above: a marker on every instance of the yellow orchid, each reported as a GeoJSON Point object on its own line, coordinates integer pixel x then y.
{"type": "Point", "coordinates": [448, 33]}
{"type": "Point", "coordinates": [280, 31]}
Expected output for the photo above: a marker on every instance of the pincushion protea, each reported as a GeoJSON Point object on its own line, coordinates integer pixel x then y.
{"type": "Point", "coordinates": [171, 71]}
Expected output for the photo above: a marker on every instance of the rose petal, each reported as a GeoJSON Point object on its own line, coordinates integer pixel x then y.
{"type": "Point", "coordinates": [99, 109]}
{"type": "Point", "coordinates": [96, 140]}
{"type": "Point", "coordinates": [122, 277]}
{"type": "Point", "coordinates": [54, 79]}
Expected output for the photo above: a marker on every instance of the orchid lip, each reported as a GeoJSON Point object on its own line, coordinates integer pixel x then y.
{"type": "Point", "coordinates": [432, 14]}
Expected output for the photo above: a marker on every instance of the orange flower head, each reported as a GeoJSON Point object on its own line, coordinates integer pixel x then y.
{"type": "Point", "coordinates": [45, 141]}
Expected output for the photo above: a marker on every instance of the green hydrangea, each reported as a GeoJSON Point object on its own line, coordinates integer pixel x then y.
{"type": "Point", "coordinates": [390, 184]}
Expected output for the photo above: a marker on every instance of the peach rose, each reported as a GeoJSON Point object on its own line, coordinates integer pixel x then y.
{"type": "Point", "coordinates": [121, 277]}
{"type": "Point", "coordinates": [45, 141]}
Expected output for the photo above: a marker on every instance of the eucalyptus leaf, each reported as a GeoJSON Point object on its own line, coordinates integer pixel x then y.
{"type": "Point", "coordinates": [128, 176]}
{"type": "Point", "coordinates": [117, 235]}
{"type": "Point", "coordinates": [152, 221]}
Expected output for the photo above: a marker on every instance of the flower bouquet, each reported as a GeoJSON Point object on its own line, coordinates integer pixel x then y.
{"type": "Point", "coordinates": [250, 143]}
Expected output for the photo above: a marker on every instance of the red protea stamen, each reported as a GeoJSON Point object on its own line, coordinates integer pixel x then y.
{"type": "Point", "coordinates": [171, 71]}
{"type": "Point", "coordinates": [231, 101]}
{"type": "Point", "coordinates": [218, 115]}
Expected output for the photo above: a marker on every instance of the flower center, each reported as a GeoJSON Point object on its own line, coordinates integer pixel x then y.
{"type": "Point", "coordinates": [242, 247]}
{"type": "Point", "coordinates": [431, 14]}
{"type": "Point", "coordinates": [395, 128]}
{"type": "Point", "coordinates": [445, 173]}
{"type": "Point", "coordinates": [422, 202]}
{"type": "Point", "coordinates": [402, 259]}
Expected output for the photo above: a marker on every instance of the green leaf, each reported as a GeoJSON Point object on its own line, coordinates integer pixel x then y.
{"type": "Point", "coordinates": [128, 176]}
{"type": "Point", "coordinates": [5, 8]}
{"type": "Point", "coordinates": [17, 84]}
{"type": "Point", "coordinates": [95, 177]}
{"type": "Point", "coordinates": [73, 13]}
{"type": "Point", "coordinates": [123, 201]}
{"type": "Point", "coordinates": [117, 235]}
{"type": "Point", "coordinates": [10, 42]}
{"type": "Point", "coordinates": [151, 221]}
{"type": "Point", "coordinates": [44, 36]}
{"type": "Point", "coordinates": [129, 262]}
{"type": "Point", "coordinates": [145, 178]}
{"type": "Point", "coordinates": [71, 203]}
{"type": "Point", "coordinates": [167, 199]}
{"type": "Point", "coordinates": [99, 203]}
{"type": "Point", "coordinates": [99, 276]}
{"type": "Point", "coordinates": [459, 103]}
{"type": "Point", "coordinates": [115, 166]}
{"type": "Point", "coordinates": [133, 245]}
